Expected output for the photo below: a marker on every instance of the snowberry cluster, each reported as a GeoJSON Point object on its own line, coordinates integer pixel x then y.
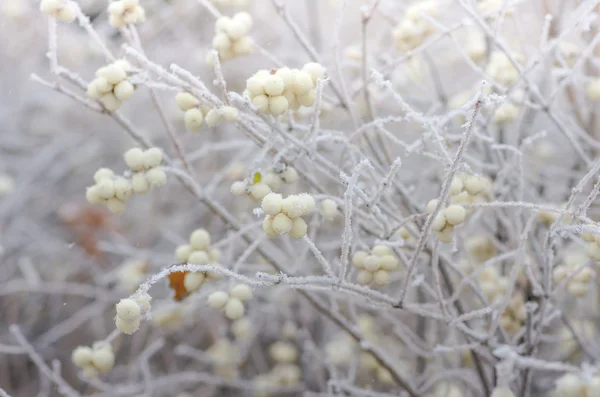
{"type": "Point", "coordinates": [467, 189]}
{"type": "Point", "coordinates": [225, 358]}
{"type": "Point", "coordinates": [231, 37]}
{"type": "Point", "coordinates": [329, 209]}
{"type": "Point", "coordinates": [593, 249]}
{"type": "Point", "coordinates": [111, 190]}
{"type": "Point", "coordinates": [446, 389]}
{"type": "Point", "coordinates": [578, 284]}
{"type": "Point", "coordinates": [111, 86]}
{"type": "Point", "coordinates": [493, 285]}
{"type": "Point", "coordinates": [232, 302]}
{"type": "Point", "coordinates": [549, 217]}
{"type": "Point", "coordinates": [242, 328]}
{"type": "Point", "coordinates": [198, 252]}
{"type": "Point", "coordinates": [276, 91]}
{"type": "Point", "coordinates": [95, 360]}
{"type": "Point", "coordinates": [446, 219]}
{"type": "Point", "coordinates": [415, 27]}
{"type": "Point", "coordinates": [261, 185]}
{"type": "Point", "coordinates": [129, 313]}
{"type": "Point", "coordinates": [145, 168]}
{"type": "Point", "coordinates": [575, 385]}
{"type": "Point", "coordinates": [501, 69]}
{"type": "Point", "coordinates": [481, 248]}
{"type": "Point", "coordinates": [285, 372]}
{"type": "Point", "coordinates": [196, 113]}
{"type": "Point", "coordinates": [131, 274]}
{"type": "Point", "coordinates": [63, 10]}
{"type": "Point", "coordinates": [284, 216]}
{"type": "Point", "coordinates": [376, 265]}
{"type": "Point", "coordinates": [125, 12]}
{"type": "Point", "coordinates": [114, 191]}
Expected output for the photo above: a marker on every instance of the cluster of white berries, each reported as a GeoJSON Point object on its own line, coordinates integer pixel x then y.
{"type": "Point", "coordinates": [495, 286]}
{"type": "Point", "coordinates": [284, 215]}
{"type": "Point", "coordinates": [446, 220]}
{"type": "Point", "coordinates": [198, 252]}
{"type": "Point", "coordinates": [95, 360]}
{"type": "Point", "coordinates": [276, 91]}
{"type": "Point", "coordinates": [63, 10]}
{"type": "Point", "coordinates": [329, 209]}
{"type": "Point", "coordinates": [285, 372]}
{"type": "Point", "coordinates": [241, 328]}
{"type": "Point", "coordinates": [131, 274]}
{"type": "Point", "coordinates": [467, 189]}
{"type": "Point", "coordinates": [415, 27]}
{"type": "Point", "coordinates": [225, 357]}
{"type": "Point", "coordinates": [593, 249]}
{"type": "Point", "coordinates": [549, 217]}
{"type": "Point", "coordinates": [232, 302]}
{"type": "Point", "coordinates": [575, 385]}
{"type": "Point", "coordinates": [481, 248]}
{"type": "Point", "coordinates": [125, 12]}
{"type": "Point", "coordinates": [111, 86]}
{"type": "Point", "coordinates": [513, 318]}
{"type": "Point", "coordinates": [129, 313]}
{"type": "Point", "coordinates": [114, 191]}
{"type": "Point", "coordinates": [578, 285]}
{"type": "Point", "coordinates": [261, 185]}
{"type": "Point", "coordinates": [376, 265]}
{"type": "Point", "coordinates": [196, 113]}
{"type": "Point", "coordinates": [231, 37]}
{"type": "Point", "coordinates": [501, 69]}
{"type": "Point", "coordinates": [446, 389]}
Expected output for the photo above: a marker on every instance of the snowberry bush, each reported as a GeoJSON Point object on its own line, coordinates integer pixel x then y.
{"type": "Point", "coordinates": [300, 198]}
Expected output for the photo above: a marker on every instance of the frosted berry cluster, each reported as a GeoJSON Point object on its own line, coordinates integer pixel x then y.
{"type": "Point", "coordinates": [446, 219]}
{"type": "Point", "coordinates": [131, 274]}
{"type": "Point", "coordinates": [501, 69]}
{"type": "Point", "coordinates": [264, 183]}
{"type": "Point", "coordinates": [129, 313]}
{"type": "Point", "coordinates": [575, 385]}
{"type": "Point", "coordinates": [416, 26]}
{"type": "Point", "coordinates": [95, 360]}
{"type": "Point", "coordinates": [495, 287]}
{"type": "Point", "coordinates": [231, 38]}
{"type": "Point", "coordinates": [125, 12]}
{"type": "Point", "coordinates": [329, 209]}
{"type": "Point", "coordinates": [579, 278]}
{"type": "Point", "coordinates": [376, 265]}
{"type": "Point", "coordinates": [196, 113]}
{"type": "Point", "coordinates": [114, 191]}
{"type": "Point", "coordinates": [198, 252]}
{"type": "Point", "coordinates": [231, 303]}
{"type": "Point", "coordinates": [284, 215]}
{"type": "Point", "coordinates": [111, 86]}
{"type": "Point", "coordinates": [467, 189]}
{"type": "Point", "coordinates": [63, 10]}
{"type": "Point", "coordinates": [276, 91]}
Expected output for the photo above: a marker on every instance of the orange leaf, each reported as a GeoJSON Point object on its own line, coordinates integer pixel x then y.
{"type": "Point", "coordinates": [176, 284]}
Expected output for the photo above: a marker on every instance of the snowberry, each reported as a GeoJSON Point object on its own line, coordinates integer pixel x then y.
{"type": "Point", "coordinates": [299, 228]}
{"type": "Point", "coordinates": [60, 9]}
{"type": "Point", "coordinates": [186, 101]}
{"type": "Point", "coordinates": [193, 281]}
{"type": "Point", "coordinates": [272, 203]}
{"type": "Point", "coordinates": [282, 224]}
{"type": "Point", "coordinates": [198, 258]}
{"type": "Point", "coordinates": [315, 70]}
{"type": "Point", "coordinates": [82, 355]}
{"type": "Point", "coordinates": [329, 209]}
{"type": "Point", "coordinates": [455, 214]}
{"type": "Point", "coordinates": [258, 191]}
{"type": "Point", "coordinates": [103, 359]}
{"type": "Point", "coordinates": [289, 175]}
{"type": "Point", "coordinates": [238, 188]}
{"type": "Point", "coordinates": [134, 158]}
{"type": "Point", "coordinates": [156, 177]}
{"type": "Point", "coordinates": [364, 277]}
{"type": "Point", "coordinates": [358, 259]}
{"type": "Point", "coordinates": [183, 252]}
{"type": "Point", "coordinates": [200, 239]}
{"type": "Point", "coordinates": [103, 173]}
{"type": "Point", "coordinates": [193, 119]}
{"type": "Point", "coordinates": [128, 310]}
{"type": "Point", "coordinates": [242, 292]}
{"type": "Point", "coordinates": [218, 299]}
{"type": "Point", "coordinates": [234, 309]}
{"type": "Point", "coordinates": [123, 12]}
{"type": "Point", "coordinates": [139, 183]}
{"type": "Point", "coordinates": [127, 327]}
{"type": "Point", "coordinates": [115, 206]}
{"type": "Point", "coordinates": [445, 235]}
